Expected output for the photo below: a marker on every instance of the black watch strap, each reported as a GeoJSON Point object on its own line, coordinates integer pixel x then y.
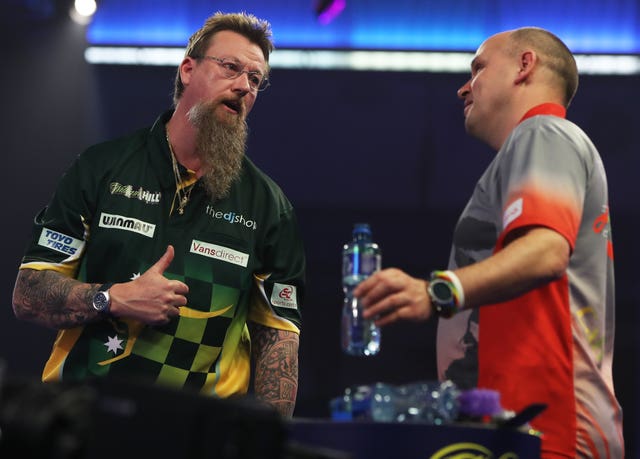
{"type": "Point", "coordinates": [446, 294]}
{"type": "Point", "coordinates": [441, 294]}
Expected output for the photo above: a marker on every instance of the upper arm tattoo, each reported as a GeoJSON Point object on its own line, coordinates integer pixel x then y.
{"type": "Point", "coordinates": [276, 367]}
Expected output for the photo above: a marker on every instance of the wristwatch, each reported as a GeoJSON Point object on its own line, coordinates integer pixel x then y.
{"type": "Point", "coordinates": [102, 300]}
{"type": "Point", "coordinates": [441, 293]}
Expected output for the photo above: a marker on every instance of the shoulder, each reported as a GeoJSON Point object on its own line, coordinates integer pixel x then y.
{"type": "Point", "coordinates": [111, 150]}
{"type": "Point", "coordinates": [263, 184]}
{"type": "Point", "coordinates": [552, 127]}
{"type": "Point", "coordinates": [120, 148]}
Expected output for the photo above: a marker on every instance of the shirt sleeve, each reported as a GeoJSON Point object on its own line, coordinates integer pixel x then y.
{"type": "Point", "coordinates": [61, 229]}
{"type": "Point", "coordinates": [546, 180]}
{"type": "Point", "coordinates": [279, 292]}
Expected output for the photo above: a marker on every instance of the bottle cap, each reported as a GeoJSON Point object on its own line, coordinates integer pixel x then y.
{"type": "Point", "coordinates": [359, 228]}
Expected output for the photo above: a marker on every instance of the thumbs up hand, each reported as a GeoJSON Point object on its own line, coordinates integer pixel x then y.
{"type": "Point", "coordinates": [151, 298]}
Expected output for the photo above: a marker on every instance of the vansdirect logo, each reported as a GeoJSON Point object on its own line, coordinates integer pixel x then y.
{"type": "Point", "coordinates": [231, 217]}
{"type": "Point", "coordinates": [220, 253]}
{"type": "Point", "coordinates": [128, 191]}
{"type": "Point", "coordinates": [127, 223]}
{"type": "Point", "coordinates": [59, 242]}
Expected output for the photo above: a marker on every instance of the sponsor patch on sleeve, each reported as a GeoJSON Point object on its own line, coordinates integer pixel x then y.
{"type": "Point", "coordinates": [284, 296]}
{"type": "Point", "coordinates": [59, 242]}
{"type": "Point", "coordinates": [513, 211]}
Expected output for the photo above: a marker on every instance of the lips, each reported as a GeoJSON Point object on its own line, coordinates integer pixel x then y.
{"type": "Point", "coordinates": [467, 106]}
{"type": "Point", "coordinates": [233, 105]}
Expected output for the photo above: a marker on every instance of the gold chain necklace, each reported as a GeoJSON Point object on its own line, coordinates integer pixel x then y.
{"type": "Point", "coordinates": [183, 193]}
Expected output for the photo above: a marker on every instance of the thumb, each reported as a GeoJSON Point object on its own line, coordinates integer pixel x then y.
{"type": "Point", "coordinates": [165, 260]}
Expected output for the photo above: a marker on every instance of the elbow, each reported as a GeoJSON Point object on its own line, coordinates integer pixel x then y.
{"type": "Point", "coordinates": [20, 300]}
{"type": "Point", "coordinates": [19, 311]}
{"type": "Point", "coordinates": [557, 270]}
{"type": "Point", "coordinates": [19, 308]}
{"type": "Point", "coordinates": [557, 262]}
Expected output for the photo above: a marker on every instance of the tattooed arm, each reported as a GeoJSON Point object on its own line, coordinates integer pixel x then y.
{"type": "Point", "coordinates": [51, 299]}
{"type": "Point", "coordinates": [275, 354]}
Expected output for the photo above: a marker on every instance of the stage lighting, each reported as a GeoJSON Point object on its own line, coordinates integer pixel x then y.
{"type": "Point", "coordinates": [82, 11]}
{"type": "Point", "coordinates": [328, 10]}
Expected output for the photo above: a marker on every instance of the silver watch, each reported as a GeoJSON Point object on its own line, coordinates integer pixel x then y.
{"type": "Point", "coordinates": [102, 300]}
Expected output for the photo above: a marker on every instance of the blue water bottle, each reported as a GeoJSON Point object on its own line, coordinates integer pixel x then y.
{"type": "Point", "coordinates": [361, 257]}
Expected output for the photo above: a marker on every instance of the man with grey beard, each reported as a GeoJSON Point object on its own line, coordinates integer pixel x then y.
{"type": "Point", "coordinates": [167, 256]}
{"type": "Point", "coordinates": [222, 147]}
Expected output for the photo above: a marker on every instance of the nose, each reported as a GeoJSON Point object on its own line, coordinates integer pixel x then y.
{"type": "Point", "coordinates": [241, 83]}
{"type": "Point", "coordinates": [464, 90]}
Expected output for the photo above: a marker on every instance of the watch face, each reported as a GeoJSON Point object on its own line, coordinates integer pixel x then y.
{"type": "Point", "coordinates": [101, 301]}
{"type": "Point", "coordinates": [441, 291]}
{"type": "Point", "coordinates": [442, 298]}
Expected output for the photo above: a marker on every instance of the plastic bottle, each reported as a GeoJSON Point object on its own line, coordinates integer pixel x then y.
{"type": "Point", "coordinates": [420, 402]}
{"type": "Point", "coordinates": [425, 402]}
{"type": "Point", "coordinates": [361, 257]}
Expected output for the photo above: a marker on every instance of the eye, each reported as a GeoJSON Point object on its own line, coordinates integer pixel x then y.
{"type": "Point", "coordinates": [231, 66]}
{"type": "Point", "coordinates": [255, 79]}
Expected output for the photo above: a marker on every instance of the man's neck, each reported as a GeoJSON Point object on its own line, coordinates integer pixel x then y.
{"type": "Point", "coordinates": [182, 135]}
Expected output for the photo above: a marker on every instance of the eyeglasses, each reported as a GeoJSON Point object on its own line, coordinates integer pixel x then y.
{"type": "Point", "coordinates": [232, 70]}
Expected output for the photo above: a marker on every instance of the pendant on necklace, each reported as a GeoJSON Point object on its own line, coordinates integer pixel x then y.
{"type": "Point", "coordinates": [183, 203]}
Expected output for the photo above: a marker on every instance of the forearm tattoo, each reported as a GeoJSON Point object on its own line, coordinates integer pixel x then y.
{"type": "Point", "coordinates": [276, 367]}
{"type": "Point", "coordinates": [53, 300]}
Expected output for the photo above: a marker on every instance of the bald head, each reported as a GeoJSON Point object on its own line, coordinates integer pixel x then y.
{"type": "Point", "coordinates": [552, 54]}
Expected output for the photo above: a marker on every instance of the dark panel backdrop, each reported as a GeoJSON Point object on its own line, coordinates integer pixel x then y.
{"type": "Point", "coordinates": [386, 148]}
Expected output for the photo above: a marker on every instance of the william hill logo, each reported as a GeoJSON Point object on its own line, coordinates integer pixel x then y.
{"type": "Point", "coordinates": [127, 224]}
{"type": "Point", "coordinates": [128, 191]}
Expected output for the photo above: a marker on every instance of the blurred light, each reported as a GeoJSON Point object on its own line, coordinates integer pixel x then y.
{"type": "Point", "coordinates": [398, 25]}
{"type": "Point", "coordinates": [608, 65]}
{"type": "Point", "coordinates": [328, 10]}
{"type": "Point", "coordinates": [133, 56]}
{"type": "Point", "coordinates": [384, 61]}
{"type": "Point", "coordinates": [83, 11]}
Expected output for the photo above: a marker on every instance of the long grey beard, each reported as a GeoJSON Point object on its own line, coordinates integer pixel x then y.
{"type": "Point", "coordinates": [221, 145]}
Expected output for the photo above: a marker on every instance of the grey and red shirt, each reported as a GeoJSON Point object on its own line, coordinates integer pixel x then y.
{"type": "Point", "coordinates": [554, 344]}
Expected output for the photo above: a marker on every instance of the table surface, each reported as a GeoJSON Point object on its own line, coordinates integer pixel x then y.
{"type": "Point", "coordinates": [373, 440]}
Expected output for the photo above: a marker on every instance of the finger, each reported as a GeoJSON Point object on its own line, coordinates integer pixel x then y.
{"type": "Point", "coordinates": [387, 319]}
{"type": "Point", "coordinates": [180, 301]}
{"type": "Point", "coordinates": [173, 312]}
{"type": "Point", "coordinates": [179, 287]}
{"type": "Point", "coordinates": [363, 287]}
{"type": "Point", "coordinates": [165, 260]}
{"type": "Point", "coordinates": [379, 308]}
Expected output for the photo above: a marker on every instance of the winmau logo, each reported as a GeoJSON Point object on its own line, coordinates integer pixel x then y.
{"type": "Point", "coordinates": [231, 217]}
{"type": "Point", "coordinates": [129, 192]}
{"type": "Point", "coordinates": [126, 223]}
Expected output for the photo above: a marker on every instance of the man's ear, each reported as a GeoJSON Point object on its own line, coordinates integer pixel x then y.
{"type": "Point", "coordinates": [186, 68]}
{"type": "Point", "coordinates": [528, 60]}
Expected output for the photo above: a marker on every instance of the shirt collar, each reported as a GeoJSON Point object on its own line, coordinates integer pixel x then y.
{"type": "Point", "coordinates": [547, 108]}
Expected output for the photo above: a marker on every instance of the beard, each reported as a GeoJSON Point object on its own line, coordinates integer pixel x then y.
{"type": "Point", "coordinates": [221, 144]}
